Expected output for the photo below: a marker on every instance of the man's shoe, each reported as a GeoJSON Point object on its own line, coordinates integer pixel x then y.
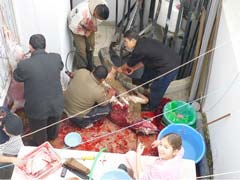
{"type": "Point", "coordinates": [123, 167]}
{"type": "Point", "coordinates": [146, 107]}
{"type": "Point", "coordinates": [89, 126]}
{"type": "Point", "coordinates": [126, 169]}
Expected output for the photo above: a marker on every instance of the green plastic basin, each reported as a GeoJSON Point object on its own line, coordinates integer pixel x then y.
{"type": "Point", "coordinates": [179, 112]}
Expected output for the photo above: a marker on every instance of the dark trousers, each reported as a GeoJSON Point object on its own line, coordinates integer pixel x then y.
{"type": "Point", "coordinates": [46, 134]}
{"type": "Point", "coordinates": [93, 116]}
{"type": "Point", "coordinates": [6, 170]}
{"type": "Point", "coordinates": [158, 86]}
{"type": "Point", "coordinates": [83, 55]}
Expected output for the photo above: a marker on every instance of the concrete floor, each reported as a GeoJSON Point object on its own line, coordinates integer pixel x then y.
{"type": "Point", "coordinates": [103, 37]}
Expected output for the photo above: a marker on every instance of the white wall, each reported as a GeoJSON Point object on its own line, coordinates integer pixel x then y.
{"type": "Point", "coordinates": [47, 17]}
{"type": "Point", "coordinates": [224, 94]}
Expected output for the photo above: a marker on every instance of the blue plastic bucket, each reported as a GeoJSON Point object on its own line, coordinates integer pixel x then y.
{"type": "Point", "coordinates": [193, 142]}
{"type": "Point", "coordinates": [73, 139]}
{"type": "Point", "coordinates": [115, 174]}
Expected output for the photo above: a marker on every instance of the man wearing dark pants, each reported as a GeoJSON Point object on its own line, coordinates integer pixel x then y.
{"type": "Point", "coordinates": [82, 22]}
{"type": "Point", "coordinates": [43, 94]}
{"type": "Point", "coordinates": [93, 116]}
{"type": "Point", "coordinates": [49, 133]}
{"type": "Point", "coordinates": [158, 86]}
{"type": "Point", "coordinates": [156, 59]}
{"type": "Point", "coordinates": [85, 91]}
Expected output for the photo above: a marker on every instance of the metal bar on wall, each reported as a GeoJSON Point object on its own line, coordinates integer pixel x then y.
{"type": "Point", "coordinates": [206, 36]}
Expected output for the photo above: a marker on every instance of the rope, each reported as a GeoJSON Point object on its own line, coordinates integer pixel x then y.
{"type": "Point", "coordinates": [104, 135]}
{"type": "Point", "coordinates": [114, 132]}
{"type": "Point", "coordinates": [122, 129]}
{"type": "Point", "coordinates": [150, 119]}
{"type": "Point", "coordinates": [218, 174]}
{"type": "Point", "coordinates": [126, 92]}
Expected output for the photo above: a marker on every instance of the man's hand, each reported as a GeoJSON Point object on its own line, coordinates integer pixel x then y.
{"type": "Point", "coordinates": [129, 71]}
{"type": "Point", "coordinates": [125, 69]}
{"type": "Point", "coordinates": [119, 69]}
{"type": "Point", "coordinates": [112, 74]}
{"type": "Point", "coordinates": [111, 92]}
{"type": "Point", "coordinates": [70, 74]}
{"type": "Point", "coordinates": [88, 33]}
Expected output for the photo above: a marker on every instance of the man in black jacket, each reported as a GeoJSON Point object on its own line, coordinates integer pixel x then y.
{"type": "Point", "coordinates": [43, 94]}
{"type": "Point", "coordinates": [156, 59]}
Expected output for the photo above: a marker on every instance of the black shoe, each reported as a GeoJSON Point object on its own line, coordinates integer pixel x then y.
{"type": "Point", "coordinates": [123, 167]}
{"type": "Point", "coordinates": [146, 107]}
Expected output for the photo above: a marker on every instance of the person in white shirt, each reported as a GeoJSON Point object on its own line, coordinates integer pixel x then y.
{"type": "Point", "coordinates": [13, 127]}
{"type": "Point", "coordinates": [82, 22]}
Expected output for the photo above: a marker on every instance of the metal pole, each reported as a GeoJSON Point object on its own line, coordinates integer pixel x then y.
{"type": "Point", "coordinates": [178, 20]}
{"type": "Point", "coordinates": [133, 16]}
{"type": "Point", "coordinates": [116, 16]}
{"type": "Point", "coordinates": [167, 21]}
{"type": "Point", "coordinates": [206, 36]}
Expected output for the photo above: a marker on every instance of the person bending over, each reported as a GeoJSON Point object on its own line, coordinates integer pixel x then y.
{"type": "Point", "coordinates": [85, 90]}
{"type": "Point", "coordinates": [156, 59]}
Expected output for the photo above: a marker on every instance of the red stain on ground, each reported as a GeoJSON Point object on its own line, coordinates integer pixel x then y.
{"type": "Point", "coordinates": [104, 133]}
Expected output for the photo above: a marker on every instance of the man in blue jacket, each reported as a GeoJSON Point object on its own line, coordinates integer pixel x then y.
{"type": "Point", "coordinates": [43, 94]}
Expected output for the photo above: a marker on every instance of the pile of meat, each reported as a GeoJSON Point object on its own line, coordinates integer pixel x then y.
{"type": "Point", "coordinates": [124, 115]}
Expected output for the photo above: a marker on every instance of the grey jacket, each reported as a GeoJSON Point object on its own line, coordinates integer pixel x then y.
{"type": "Point", "coordinates": [42, 86]}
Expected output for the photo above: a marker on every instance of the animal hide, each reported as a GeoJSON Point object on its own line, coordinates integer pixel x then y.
{"type": "Point", "coordinates": [123, 116]}
{"type": "Point", "coordinates": [16, 89]}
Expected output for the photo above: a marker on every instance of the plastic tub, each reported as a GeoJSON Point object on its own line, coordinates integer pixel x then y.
{"type": "Point", "coordinates": [179, 112]}
{"type": "Point", "coordinates": [193, 142]}
{"type": "Point", "coordinates": [115, 174]}
{"type": "Point", "coordinates": [73, 139]}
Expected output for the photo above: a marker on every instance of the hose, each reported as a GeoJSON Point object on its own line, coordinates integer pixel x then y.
{"type": "Point", "coordinates": [95, 161]}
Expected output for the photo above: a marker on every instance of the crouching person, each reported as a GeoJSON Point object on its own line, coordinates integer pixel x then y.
{"type": "Point", "coordinates": [12, 127]}
{"type": "Point", "coordinates": [87, 96]}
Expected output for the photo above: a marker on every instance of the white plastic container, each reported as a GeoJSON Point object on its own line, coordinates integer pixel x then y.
{"type": "Point", "coordinates": [162, 18]}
